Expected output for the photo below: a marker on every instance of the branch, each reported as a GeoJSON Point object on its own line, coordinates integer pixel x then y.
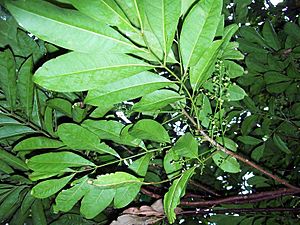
{"type": "Point", "coordinates": [241, 210]}
{"type": "Point", "coordinates": [202, 187]}
{"type": "Point", "coordinates": [241, 158]}
{"type": "Point", "coordinates": [241, 199]}
{"type": "Point", "coordinates": [150, 193]}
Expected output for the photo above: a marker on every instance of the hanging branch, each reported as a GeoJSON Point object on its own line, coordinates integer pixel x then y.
{"type": "Point", "coordinates": [239, 157]}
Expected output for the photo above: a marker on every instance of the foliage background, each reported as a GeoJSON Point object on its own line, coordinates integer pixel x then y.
{"type": "Point", "coordinates": [35, 121]}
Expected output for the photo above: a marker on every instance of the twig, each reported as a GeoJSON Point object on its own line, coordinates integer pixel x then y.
{"type": "Point", "coordinates": [239, 157]}
{"type": "Point", "coordinates": [241, 199]}
{"type": "Point", "coordinates": [202, 187]}
{"type": "Point", "coordinates": [149, 193]}
{"type": "Point", "coordinates": [241, 210]}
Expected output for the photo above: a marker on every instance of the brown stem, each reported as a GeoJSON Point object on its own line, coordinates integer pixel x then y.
{"type": "Point", "coordinates": [149, 193]}
{"type": "Point", "coordinates": [202, 187]}
{"type": "Point", "coordinates": [239, 157]}
{"type": "Point", "coordinates": [241, 199]}
{"type": "Point", "coordinates": [241, 210]}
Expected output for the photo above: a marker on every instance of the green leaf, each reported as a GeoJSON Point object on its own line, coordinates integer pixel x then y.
{"type": "Point", "coordinates": [12, 160]}
{"type": "Point", "coordinates": [126, 89]}
{"type": "Point", "coordinates": [172, 164]}
{"type": "Point", "coordinates": [25, 87]}
{"type": "Point", "coordinates": [258, 152]}
{"type": "Point", "coordinates": [205, 66]}
{"type": "Point", "coordinates": [281, 144]}
{"type": "Point", "coordinates": [67, 28]}
{"type": "Point", "coordinates": [115, 180]}
{"type": "Point", "coordinates": [226, 162]}
{"type": "Point", "coordinates": [38, 213]}
{"type": "Point", "coordinates": [8, 77]}
{"type": "Point", "coordinates": [251, 35]}
{"type": "Point", "coordinates": [248, 140]}
{"type": "Point", "coordinates": [9, 131]}
{"type": "Point", "coordinates": [148, 129]}
{"type": "Point", "coordinates": [61, 105]}
{"type": "Point", "coordinates": [89, 72]}
{"type": "Point", "coordinates": [49, 187]}
{"type": "Point", "coordinates": [272, 77]}
{"type": "Point", "coordinates": [77, 137]}
{"type": "Point", "coordinates": [156, 100]}
{"type": "Point", "coordinates": [176, 191]}
{"type": "Point", "coordinates": [56, 161]}
{"type": "Point", "coordinates": [270, 36]}
{"type": "Point", "coordinates": [10, 203]}
{"type": "Point", "coordinates": [5, 168]}
{"type": "Point", "coordinates": [66, 199]}
{"type": "Point", "coordinates": [293, 30]}
{"type": "Point", "coordinates": [248, 124]}
{"type": "Point", "coordinates": [186, 146]}
{"type": "Point", "coordinates": [234, 69]}
{"type": "Point", "coordinates": [105, 11]}
{"type": "Point", "coordinates": [235, 93]}
{"type": "Point", "coordinates": [6, 120]}
{"type": "Point", "coordinates": [109, 130]}
{"type": "Point", "coordinates": [125, 195]}
{"type": "Point", "coordinates": [199, 29]}
{"type": "Point", "coordinates": [36, 143]}
{"type": "Point", "coordinates": [185, 5]}
{"type": "Point", "coordinates": [95, 201]}
{"type": "Point", "coordinates": [227, 143]}
{"type": "Point", "coordinates": [159, 19]}
{"type": "Point", "coordinates": [140, 166]}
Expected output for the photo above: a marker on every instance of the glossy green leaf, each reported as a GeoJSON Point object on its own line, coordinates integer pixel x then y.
{"type": "Point", "coordinates": [95, 201]}
{"type": "Point", "coordinates": [66, 199]}
{"type": "Point", "coordinates": [176, 191]}
{"type": "Point", "coordinates": [56, 161]}
{"type": "Point", "coordinates": [61, 105]}
{"type": "Point", "coordinates": [14, 130]}
{"type": "Point", "coordinates": [115, 180]}
{"type": "Point", "coordinates": [25, 86]}
{"type": "Point", "coordinates": [67, 28]}
{"type": "Point", "coordinates": [77, 137]}
{"type": "Point", "coordinates": [140, 166]}
{"type": "Point", "coordinates": [36, 143]}
{"type": "Point", "coordinates": [156, 100]}
{"type": "Point", "coordinates": [227, 143]}
{"type": "Point", "coordinates": [293, 30]}
{"type": "Point", "coordinates": [172, 164]}
{"type": "Point", "coordinates": [159, 19]}
{"type": "Point", "coordinates": [126, 89]}
{"type": "Point", "coordinates": [89, 72]}
{"type": "Point", "coordinates": [12, 160]}
{"type": "Point", "coordinates": [38, 213]}
{"type": "Point", "coordinates": [270, 36]}
{"type": "Point", "coordinates": [49, 187]}
{"type": "Point", "coordinates": [205, 66]}
{"type": "Point", "coordinates": [272, 77]}
{"type": "Point", "coordinates": [109, 130]}
{"type": "Point", "coordinates": [199, 29]}
{"type": "Point", "coordinates": [105, 11]}
{"type": "Point", "coordinates": [281, 144]}
{"type": "Point", "coordinates": [226, 162]}
{"type": "Point", "coordinates": [235, 93]}
{"type": "Point", "coordinates": [6, 120]}
{"type": "Point", "coordinates": [234, 69]}
{"type": "Point", "coordinates": [251, 35]}
{"type": "Point", "coordinates": [5, 168]}
{"type": "Point", "coordinates": [186, 146]}
{"type": "Point", "coordinates": [125, 195]}
{"type": "Point", "coordinates": [148, 129]}
{"type": "Point", "coordinates": [8, 77]}
{"type": "Point", "coordinates": [185, 5]}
